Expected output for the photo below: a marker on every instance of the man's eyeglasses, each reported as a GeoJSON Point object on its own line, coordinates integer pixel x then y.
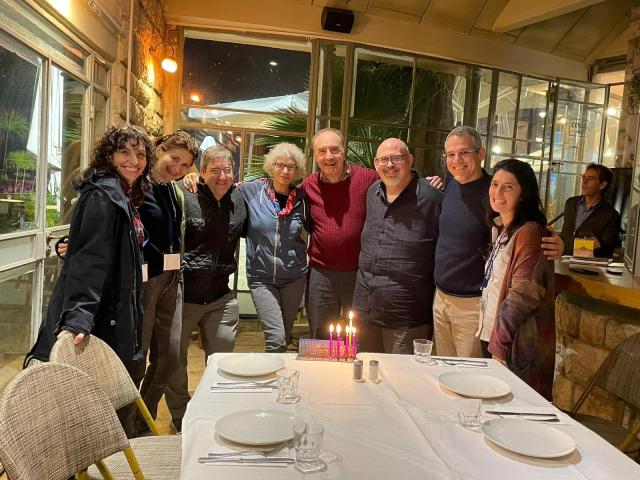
{"type": "Point", "coordinates": [461, 153]}
{"type": "Point", "coordinates": [292, 167]}
{"type": "Point", "coordinates": [218, 171]}
{"type": "Point", "coordinates": [392, 160]}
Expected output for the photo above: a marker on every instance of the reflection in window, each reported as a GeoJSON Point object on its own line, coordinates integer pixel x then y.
{"type": "Point", "coordinates": [236, 79]}
{"type": "Point", "coordinates": [100, 116]}
{"type": "Point", "coordinates": [20, 96]}
{"type": "Point", "coordinates": [331, 80]}
{"type": "Point", "coordinates": [17, 287]}
{"type": "Point", "coordinates": [64, 145]}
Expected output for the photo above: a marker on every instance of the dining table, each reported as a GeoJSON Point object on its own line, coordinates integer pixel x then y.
{"type": "Point", "coordinates": [403, 426]}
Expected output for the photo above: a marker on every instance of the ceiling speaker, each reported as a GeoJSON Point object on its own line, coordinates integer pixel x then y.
{"type": "Point", "coordinates": [337, 20]}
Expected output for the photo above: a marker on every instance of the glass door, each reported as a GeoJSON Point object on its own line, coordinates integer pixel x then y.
{"type": "Point", "coordinates": [577, 124]}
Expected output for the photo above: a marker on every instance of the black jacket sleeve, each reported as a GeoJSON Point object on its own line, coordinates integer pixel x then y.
{"type": "Point", "coordinates": [88, 263]}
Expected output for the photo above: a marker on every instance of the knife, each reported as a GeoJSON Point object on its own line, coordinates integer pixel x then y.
{"type": "Point", "coordinates": [460, 360]}
{"type": "Point", "coordinates": [246, 460]}
{"type": "Point", "coordinates": [522, 414]}
{"type": "Point", "coordinates": [235, 387]}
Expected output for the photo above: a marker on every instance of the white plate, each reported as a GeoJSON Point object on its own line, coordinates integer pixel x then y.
{"type": "Point", "coordinates": [257, 427]}
{"type": "Point", "coordinates": [476, 385]}
{"type": "Point", "coordinates": [528, 438]}
{"type": "Point", "coordinates": [251, 364]}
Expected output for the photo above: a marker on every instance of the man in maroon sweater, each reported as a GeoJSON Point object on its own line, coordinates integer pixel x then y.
{"type": "Point", "coordinates": [337, 194]}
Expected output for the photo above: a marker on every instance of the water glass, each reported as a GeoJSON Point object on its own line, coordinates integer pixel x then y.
{"type": "Point", "coordinates": [469, 412]}
{"type": "Point", "coordinates": [422, 350]}
{"type": "Point", "coordinates": [287, 382]}
{"type": "Point", "coordinates": [307, 440]}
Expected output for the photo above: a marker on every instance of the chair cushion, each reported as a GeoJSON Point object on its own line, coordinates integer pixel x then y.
{"type": "Point", "coordinates": [610, 431]}
{"type": "Point", "coordinates": [159, 458]}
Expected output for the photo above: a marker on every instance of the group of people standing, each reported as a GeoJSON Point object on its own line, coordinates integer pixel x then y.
{"type": "Point", "coordinates": [149, 259]}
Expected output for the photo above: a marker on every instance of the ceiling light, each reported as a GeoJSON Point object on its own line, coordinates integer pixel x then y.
{"type": "Point", "coordinates": [195, 97]}
{"type": "Point", "coordinates": [542, 114]}
{"type": "Point", "coordinates": [562, 121]}
{"type": "Point", "coordinates": [613, 112]}
{"type": "Point", "coordinates": [273, 63]}
{"type": "Point", "coordinates": [538, 139]}
{"type": "Point", "coordinates": [496, 149]}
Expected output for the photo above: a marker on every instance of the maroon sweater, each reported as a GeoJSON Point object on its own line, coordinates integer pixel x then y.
{"type": "Point", "coordinates": [338, 211]}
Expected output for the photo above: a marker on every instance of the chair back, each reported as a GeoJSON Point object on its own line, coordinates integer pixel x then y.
{"type": "Point", "coordinates": [95, 358]}
{"type": "Point", "coordinates": [55, 421]}
{"type": "Point", "coordinates": [619, 374]}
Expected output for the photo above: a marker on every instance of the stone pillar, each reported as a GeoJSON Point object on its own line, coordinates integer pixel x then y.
{"type": "Point", "coordinates": [147, 78]}
{"type": "Point", "coordinates": [628, 129]}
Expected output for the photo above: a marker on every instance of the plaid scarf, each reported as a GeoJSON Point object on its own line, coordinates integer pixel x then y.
{"type": "Point", "coordinates": [291, 200]}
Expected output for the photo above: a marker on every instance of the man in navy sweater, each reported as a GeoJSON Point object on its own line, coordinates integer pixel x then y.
{"type": "Point", "coordinates": [463, 241]}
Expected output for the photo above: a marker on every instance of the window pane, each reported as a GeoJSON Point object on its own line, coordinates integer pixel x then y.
{"type": "Point", "coordinates": [429, 138]}
{"type": "Point", "coordinates": [614, 109]}
{"type": "Point", "coordinates": [20, 113]}
{"type": "Point", "coordinates": [100, 115]}
{"type": "Point", "coordinates": [429, 161]}
{"type": "Point", "coordinates": [331, 79]}
{"type": "Point", "coordinates": [362, 130]}
{"type": "Point", "coordinates": [211, 138]}
{"type": "Point", "coordinates": [506, 105]}
{"type": "Point", "coordinates": [247, 76]}
{"type": "Point", "coordinates": [382, 87]}
{"type": "Point", "coordinates": [439, 94]}
{"type": "Point", "coordinates": [533, 109]}
{"type": "Point", "coordinates": [64, 145]}
{"type": "Point", "coordinates": [484, 99]}
{"type": "Point", "coordinates": [17, 287]}
{"type": "Point", "coordinates": [101, 74]}
{"type": "Point", "coordinates": [361, 153]}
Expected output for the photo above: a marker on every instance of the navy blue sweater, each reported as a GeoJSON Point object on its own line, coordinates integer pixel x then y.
{"type": "Point", "coordinates": [463, 238]}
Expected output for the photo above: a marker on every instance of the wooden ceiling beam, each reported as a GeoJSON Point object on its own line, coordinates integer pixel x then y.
{"type": "Point", "coordinates": [520, 13]}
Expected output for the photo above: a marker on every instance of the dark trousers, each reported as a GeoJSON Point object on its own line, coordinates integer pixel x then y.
{"type": "Point", "coordinates": [378, 339]}
{"type": "Point", "coordinates": [329, 296]}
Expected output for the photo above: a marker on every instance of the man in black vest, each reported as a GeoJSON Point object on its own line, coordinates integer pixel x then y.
{"type": "Point", "coordinates": [590, 216]}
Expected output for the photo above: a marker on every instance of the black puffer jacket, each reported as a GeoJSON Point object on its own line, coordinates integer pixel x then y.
{"type": "Point", "coordinates": [100, 287]}
{"type": "Point", "coordinates": [211, 237]}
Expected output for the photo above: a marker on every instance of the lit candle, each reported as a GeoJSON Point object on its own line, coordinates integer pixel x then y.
{"type": "Point", "coordinates": [338, 330]}
{"type": "Point", "coordinates": [347, 337]}
{"type": "Point", "coordinates": [330, 340]}
{"type": "Point", "coordinates": [351, 326]}
{"type": "Point", "coordinates": [354, 340]}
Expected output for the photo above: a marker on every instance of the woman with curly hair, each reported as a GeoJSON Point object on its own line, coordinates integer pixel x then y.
{"type": "Point", "coordinates": [276, 249]}
{"type": "Point", "coordinates": [517, 325]}
{"type": "Point", "coordinates": [99, 291]}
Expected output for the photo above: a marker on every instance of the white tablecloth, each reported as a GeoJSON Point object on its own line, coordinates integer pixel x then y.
{"type": "Point", "coordinates": [405, 427]}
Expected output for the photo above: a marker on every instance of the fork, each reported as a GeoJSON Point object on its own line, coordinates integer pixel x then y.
{"type": "Point", "coordinates": [264, 453]}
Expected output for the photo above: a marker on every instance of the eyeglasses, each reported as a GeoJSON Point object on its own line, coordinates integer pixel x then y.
{"type": "Point", "coordinates": [461, 153]}
{"type": "Point", "coordinates": [218, 171]}
{"type": "Point", "coordinates": [289, 166]}
{"type": "Point", "coordinates": [393, 160]}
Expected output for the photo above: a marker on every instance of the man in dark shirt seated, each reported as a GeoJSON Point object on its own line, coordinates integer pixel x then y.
{"type": "Point", "coordinates": [394, 284]}
{"type": "Point", "coordinates": [590, 216]}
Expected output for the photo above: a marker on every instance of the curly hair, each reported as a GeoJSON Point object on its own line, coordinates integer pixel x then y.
{"type": "Point", "coordinates": [114, 139]}
{"type": "Point", "coordinates": [285, 150]}
{"type": "Point", "coordinates": [179, 139]}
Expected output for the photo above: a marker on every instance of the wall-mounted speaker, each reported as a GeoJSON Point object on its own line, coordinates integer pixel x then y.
{"type": "Point", "coordinates": [337, 20]}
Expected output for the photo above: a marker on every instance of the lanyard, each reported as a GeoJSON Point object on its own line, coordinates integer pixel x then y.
{"type": "Point", "coordinates": [488, 268]}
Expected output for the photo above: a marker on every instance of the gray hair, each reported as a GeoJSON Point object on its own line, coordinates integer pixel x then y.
{"type": "Point", "coordinates": [332, 130]}
{"type": "Point", "coordinates": [216, 152]}
{"type": "Point", "coordinates": [465, 131]}
{"type": "Point", "coordinates": [285, 150]}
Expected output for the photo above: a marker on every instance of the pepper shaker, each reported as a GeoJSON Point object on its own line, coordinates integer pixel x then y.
{"type": "Point", "coordinates": [358, 371]}
{"type": "Point", "coordinates": [374, 371]}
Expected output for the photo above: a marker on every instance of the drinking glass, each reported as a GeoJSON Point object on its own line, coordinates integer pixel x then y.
{"type": "Point", "coordinates": [287, 382]}
{"type": "Point", "coordinates": [469, 412]}
{"type": "Point", "coordinates": [422, 350]}
{"type": "Point", "coordinates": [307, 440]}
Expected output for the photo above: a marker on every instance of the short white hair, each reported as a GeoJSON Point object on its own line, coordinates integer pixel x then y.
{"type": "Point", "coordinates": [285, 150]}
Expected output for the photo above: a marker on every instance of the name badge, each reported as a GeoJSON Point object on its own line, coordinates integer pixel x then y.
{"type": "Point", "coordinates": [145, 272]}
{"type": "Point", "coordinates": [171, 261]}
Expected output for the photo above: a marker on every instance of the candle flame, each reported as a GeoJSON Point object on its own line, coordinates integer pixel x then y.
{"type": "Point", "coordinates": [331, 328]}
{"type": "Point", "coordinates": [350, 315]}
{"type": "Point", "coordinates": [347, 330]}
{"type": "Point", "coordinates": [353, 330]}
{"type": "Point", "coordinates": [338, 329]}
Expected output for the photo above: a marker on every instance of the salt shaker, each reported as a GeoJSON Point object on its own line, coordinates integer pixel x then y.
{"type": "Point", "coordinates": [358, 371]}
{"type": "Point", "coordinates": [374, 371]}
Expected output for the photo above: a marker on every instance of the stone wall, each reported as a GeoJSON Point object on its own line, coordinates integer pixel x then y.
{"type": "Point", "coordinates": [147, 78]}
{"type": "Point", "coordinates": [587, 330]}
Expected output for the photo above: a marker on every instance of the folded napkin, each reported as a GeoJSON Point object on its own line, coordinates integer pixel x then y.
{"type": "Point", "coordinates": [222, 455]}
{"type": "Point", "coordinates": [540, 414]}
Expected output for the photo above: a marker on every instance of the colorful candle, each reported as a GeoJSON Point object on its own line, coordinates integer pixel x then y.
{"type": "Point", "coordinates": [330, 340]}
{"type": "Point", "coordinates": [338, 330]}
{"type": "Point", "coordinates": [354, 343]}
{"type": "Point", "coordinates": [351, 326]}
{"type": "Point", "coordinates": [347, 339]}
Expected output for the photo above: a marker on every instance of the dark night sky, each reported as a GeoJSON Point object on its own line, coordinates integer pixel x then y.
{"type": "Point", "coordinates": [228, 72]}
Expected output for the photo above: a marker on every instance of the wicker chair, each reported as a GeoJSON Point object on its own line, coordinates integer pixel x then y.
{"type": "Point", "coordinates": [159, 456]}
{"type": "Point", "coordinates": [55, 422]}
{"type": "Point", "coordinates": [620, 376]}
